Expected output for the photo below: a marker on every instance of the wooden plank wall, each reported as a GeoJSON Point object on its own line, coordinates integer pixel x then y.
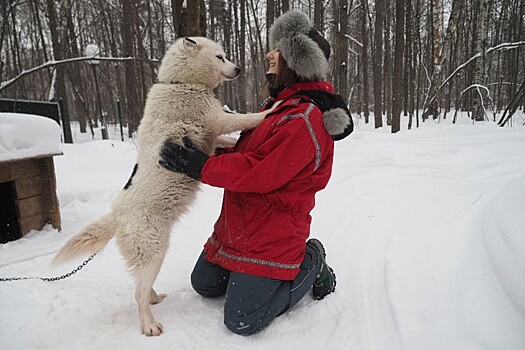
{"type": "Point", "coordinates": [51, 204]}
{"type": "Point", "coordinates": [35, 183]}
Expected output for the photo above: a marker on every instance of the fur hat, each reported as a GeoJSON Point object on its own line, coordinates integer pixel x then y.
{"type": "Point", "coordinates": [304, 48]}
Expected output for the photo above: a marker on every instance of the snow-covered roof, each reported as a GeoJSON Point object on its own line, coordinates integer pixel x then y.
{"type": "Point", "coordinates": [27, 136]}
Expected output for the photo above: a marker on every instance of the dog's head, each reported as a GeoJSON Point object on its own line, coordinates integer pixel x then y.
{"type": "Point", "coordinates": [196, 60]}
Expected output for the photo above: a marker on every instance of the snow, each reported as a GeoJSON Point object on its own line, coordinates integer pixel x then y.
{"type": "Point", "coordinates": [424, 229]}
{"type": "Point", "coordinates": [27, 135]}
{"type": "Point", "coordinates": [92, 50]}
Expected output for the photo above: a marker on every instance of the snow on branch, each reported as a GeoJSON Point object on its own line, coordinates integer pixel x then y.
{"type": "Point", "coordinates": [354, 40]}
{"type": "Point", "coordinates": [48, 64]}
{"type": "Point", "coordinates": [477, 86]}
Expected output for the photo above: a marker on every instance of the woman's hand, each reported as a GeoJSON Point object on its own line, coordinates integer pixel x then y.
{"type": "Point", "coordinates": [183, 159]}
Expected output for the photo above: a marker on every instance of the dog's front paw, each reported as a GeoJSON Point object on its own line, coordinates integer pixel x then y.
{"type": "Point", "coordinates": [152, 329]}
{"type": "Point", "coordinates": [225, 141]}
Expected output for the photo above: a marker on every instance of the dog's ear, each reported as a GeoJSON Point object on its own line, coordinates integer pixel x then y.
{"type": "Point", "coordinates": [190, 44]}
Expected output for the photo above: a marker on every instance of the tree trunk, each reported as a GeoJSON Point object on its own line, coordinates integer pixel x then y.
{"type": "Point", "coordinates": [364, 37]}
{"type": "Point", "coordinates": [131, 110]}
{"type": "Point", "coordinates": [242, 58]}
{"type": "Point", "coordinates": [388, 66]}
{"type": "Point", "coordinates": [58, 54]}
{"type": "Point", "coordinates": [418, 58]}
{"type": "Point", "coordinates": [270, 18]}
{"type": "Point", "coordinates": [5, 11]}
{"type": "Point", "coordinates": [15, 49]}
{"type": "Point", "coordinates": [176, 9]}
{"type": "Point", "coordinates": [318, 15]}
{"type": "Point", "coordinates": [480, 75]}
{"type": "Point", "coordinates": [140, 51]}
{"type": "Point", "coordinates": [377, 58]}
{"type": "Point", "coordinates": [78, 100]}
{"type": "Point", "coordinates": [409, 66]}
{"type": "Point", "coordinates": [285, 6]}
{"type": "Point", "coordinates": [397, 84]}
{"type": "Point", "coordinates": [432, 108]}
{"type": "Point", "coordinates": [189, 20]}
{"type": "Point", "coordinates": [441, 53]}
{"type": "Point", "coordinates": [340, 60]}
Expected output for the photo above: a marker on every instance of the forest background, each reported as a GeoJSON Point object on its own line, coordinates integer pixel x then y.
{"type": "Point", "coordinates": [415, 58]}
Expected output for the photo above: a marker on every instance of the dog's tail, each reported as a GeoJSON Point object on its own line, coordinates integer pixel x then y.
{"type": "Point", "coordinates": [90, 240]}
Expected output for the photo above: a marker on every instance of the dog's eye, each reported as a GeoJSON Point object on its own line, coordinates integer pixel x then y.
{"type": "Point", "coordinates": [220, 57]}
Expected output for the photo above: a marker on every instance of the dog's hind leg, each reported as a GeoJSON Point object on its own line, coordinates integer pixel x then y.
{"type": "Point", "coordinates": [145, 275]}
{"type": "Point", "coordinates": [143, 244]}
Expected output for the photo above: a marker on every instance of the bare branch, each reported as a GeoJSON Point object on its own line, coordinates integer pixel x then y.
{"type": "Point", "coordinates": [353, 39]}
{"type": "Point", "coordinates": [477, 87]}
{"type": "Point", "coordinates": [354, 9]}
{"type": "Point", "coordinates": [49, 64]}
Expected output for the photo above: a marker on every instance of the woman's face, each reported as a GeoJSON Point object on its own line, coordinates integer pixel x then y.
{"type": "Point", "coordinates": [273, 60]}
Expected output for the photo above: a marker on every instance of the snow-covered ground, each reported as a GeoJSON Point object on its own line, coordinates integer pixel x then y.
{"type": "Point", "coordinates": [424, 228]}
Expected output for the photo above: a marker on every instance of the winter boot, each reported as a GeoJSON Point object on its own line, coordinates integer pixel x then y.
{"type": "Point", "coordinates": [325, 280]}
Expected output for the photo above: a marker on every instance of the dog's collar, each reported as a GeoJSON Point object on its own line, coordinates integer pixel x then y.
{"type": "Point", "coordinates": [157, 81]}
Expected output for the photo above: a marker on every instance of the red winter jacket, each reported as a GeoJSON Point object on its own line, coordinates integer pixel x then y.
{"type": "Point", "coordinates": [270, 182]}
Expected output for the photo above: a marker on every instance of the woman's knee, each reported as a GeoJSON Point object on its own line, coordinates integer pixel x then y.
{"type": "Point", "coordinates": [253, 302]}
{"type": "Point", "coordinates": [208, 279]}
{"type": "Point", "coordinates": [209, 286]}
{"type": "Point", "coordinates": [244, 325]}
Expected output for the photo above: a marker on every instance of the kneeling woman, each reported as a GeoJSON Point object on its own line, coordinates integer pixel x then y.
{"type": "Point", "coordinates": [258, 255]}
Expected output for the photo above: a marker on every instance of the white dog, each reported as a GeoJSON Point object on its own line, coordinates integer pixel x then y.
{"type": "Point", "coordinates": [182, 103]}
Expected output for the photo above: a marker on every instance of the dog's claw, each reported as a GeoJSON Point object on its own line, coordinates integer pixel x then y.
{"type": "Point", "coordinates": [153, 329]}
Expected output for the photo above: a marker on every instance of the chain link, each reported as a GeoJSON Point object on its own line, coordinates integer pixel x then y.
{"type": "Point", "coordinates": [51, 279]}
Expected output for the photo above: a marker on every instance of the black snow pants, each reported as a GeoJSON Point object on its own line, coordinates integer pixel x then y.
{"type": "Point", "coordinates": [252, 302]}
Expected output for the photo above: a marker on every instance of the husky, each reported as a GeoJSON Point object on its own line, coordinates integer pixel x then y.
{"type": "Point", "coordinates": [181, 103]}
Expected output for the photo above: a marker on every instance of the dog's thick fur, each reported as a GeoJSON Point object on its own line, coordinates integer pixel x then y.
{"type": "Point", "coordinates": [182, 103]}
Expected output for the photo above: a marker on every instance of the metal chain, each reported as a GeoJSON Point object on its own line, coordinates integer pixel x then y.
{"type": "Point", "coordinates": [51, 279]}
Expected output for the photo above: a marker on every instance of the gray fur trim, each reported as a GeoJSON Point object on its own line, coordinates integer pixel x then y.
{"type": "Point", "coordinates": [304, 57]}
{"type": "Point", "coordinates": [288, 25]}
{"type": "Point", "coordinates": [290, 34]}
{"type": "Point", "coordinates": [335, 121]}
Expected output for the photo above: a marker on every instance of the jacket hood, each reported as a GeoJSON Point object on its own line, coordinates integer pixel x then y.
{"type": "Point", "coordinates": [336, 116]}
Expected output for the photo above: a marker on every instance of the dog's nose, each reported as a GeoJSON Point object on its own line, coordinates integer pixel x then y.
{"type": "Point", "coordinates": [237, 70]}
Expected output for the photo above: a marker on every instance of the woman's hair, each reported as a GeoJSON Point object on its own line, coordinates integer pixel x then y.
{"type": "Point", "coordinates": [284, 78]}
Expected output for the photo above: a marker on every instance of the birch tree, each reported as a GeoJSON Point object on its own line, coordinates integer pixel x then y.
{"type": "Point", "coordinates": [441, 52]}
{"type": "Point", "coordinates": [480, 75]}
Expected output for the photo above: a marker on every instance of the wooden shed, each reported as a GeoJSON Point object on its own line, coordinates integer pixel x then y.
{"type": "Point", "coordinates": [28, 198]}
